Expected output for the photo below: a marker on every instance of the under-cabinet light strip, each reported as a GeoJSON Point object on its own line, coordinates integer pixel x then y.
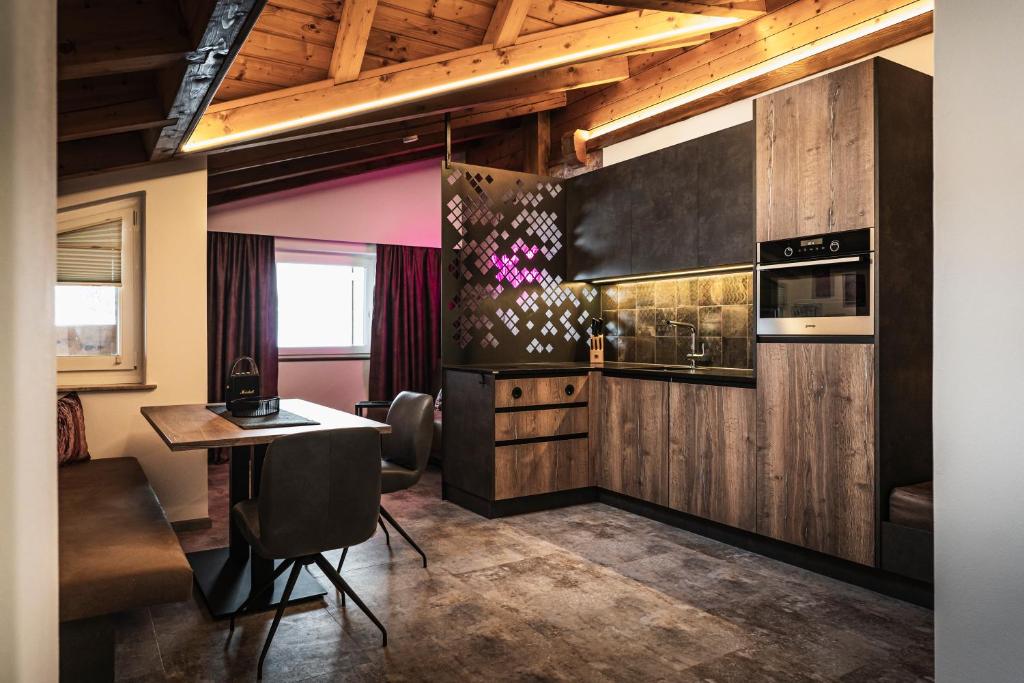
{"type": "Point", "coordinates": [675, 273]}
{"type": "Point", "coordinates": [855, 32]}
{"type": "Point", "coordinates": [707, 25]}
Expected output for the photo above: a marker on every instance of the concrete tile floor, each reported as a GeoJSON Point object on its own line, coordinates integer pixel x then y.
{"type": "Point", "coordinates": [588, 593]}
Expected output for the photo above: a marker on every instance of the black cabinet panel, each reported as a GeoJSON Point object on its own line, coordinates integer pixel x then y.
{"type": "Point", "coordinates": [686, 206]}
{"type": "Point", "coordinates": [598, 214]}
{"type": "Point", "coordinates": [664, 193]}
{"type": "Point", "coordinates": [726, 191]}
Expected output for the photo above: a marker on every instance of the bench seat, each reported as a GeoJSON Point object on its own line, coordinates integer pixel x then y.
{"type": "Point", "coordinates": [117, 551]}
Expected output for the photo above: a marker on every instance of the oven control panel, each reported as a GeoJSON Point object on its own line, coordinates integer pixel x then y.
{"type": "Point", "coordinates": [814, 247]}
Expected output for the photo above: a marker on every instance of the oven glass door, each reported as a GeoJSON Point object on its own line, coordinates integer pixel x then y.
{"type": "Point", "coordinates": [821, 297]}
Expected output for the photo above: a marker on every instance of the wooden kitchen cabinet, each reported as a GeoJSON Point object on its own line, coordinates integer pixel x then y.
{"type": "Point", "coordinates": [816, 447]}
{"type": "Point", "coordinates": [815, 148]}
{"type": "Point", "coordinates": [711, 458]}
{"type": "Point", "coordinates": [634, 438]}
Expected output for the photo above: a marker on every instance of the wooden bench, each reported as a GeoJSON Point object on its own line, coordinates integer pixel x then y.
{"type": "Point", "coordinates": [117, 553]}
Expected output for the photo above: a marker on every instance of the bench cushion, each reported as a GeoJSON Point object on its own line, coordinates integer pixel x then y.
{"type": "Point", "coordinates": [117, 551]}
{"type": "Point", "coordinates": [912, 506]}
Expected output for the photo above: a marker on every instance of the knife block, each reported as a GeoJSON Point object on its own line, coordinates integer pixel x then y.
{"type": "Point", "coordinates": [597, 349]}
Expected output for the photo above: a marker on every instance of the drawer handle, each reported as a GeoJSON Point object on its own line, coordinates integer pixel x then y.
{"type": "Point", "coordinates": [569, 390]}
{"type": "Point", "coordinates": [517, 392]}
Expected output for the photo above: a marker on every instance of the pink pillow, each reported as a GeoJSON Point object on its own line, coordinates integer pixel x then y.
{"type": "Point", "coordinates": [71, 444]}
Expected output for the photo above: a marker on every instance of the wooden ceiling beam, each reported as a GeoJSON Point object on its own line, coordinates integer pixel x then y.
{"type": "Point", "coordinates": [799, 23]}
{"type": "Point", "coordinates": [390, 149]}
{"type": "Point", "coordinates": [506, 22]}
{"type": "Point", "coordinates": [743, 10]}
{"type": "Point", "coordinates": [254, 117]}
{"type": "Point", "coordinates": [229, 23]}
{"type": "Point", "coordinates": [110, 119]}
{"type": "Point", "coordinates": [350, 44]}
{"type": "Point", "coordinates": [560, 80]}
{"type": "Point", "coordinates": [486, 113]}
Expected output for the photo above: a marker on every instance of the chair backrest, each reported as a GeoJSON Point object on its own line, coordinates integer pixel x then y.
{"type": "Point", "coordinates": [319, 491]}
{"type": "Point", "coordinates": [411, 417]}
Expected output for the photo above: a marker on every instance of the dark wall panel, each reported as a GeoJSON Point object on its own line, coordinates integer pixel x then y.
{"type": "Point", "coordinates": [504, 244]}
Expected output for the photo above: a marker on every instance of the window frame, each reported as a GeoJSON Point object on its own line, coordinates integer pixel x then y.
{"type": "Point", "coordinates": [314, 252]}
{"type": "Point", "coordinates": [127, 367]}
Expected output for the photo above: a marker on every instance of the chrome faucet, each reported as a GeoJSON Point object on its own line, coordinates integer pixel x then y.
{"type": "Point", "coordinates": [692, 356]}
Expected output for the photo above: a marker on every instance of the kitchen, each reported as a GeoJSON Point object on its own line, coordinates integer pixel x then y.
{"type": "Point", "coordinates": [761, 297]}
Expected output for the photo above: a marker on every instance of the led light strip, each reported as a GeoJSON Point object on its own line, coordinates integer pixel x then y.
{"type": "Point", "coordinates": [676, 273]}
{"type": "Point", "coordinates": [707, 25]}
{"type": "Point", "coordinates": [849, 34]}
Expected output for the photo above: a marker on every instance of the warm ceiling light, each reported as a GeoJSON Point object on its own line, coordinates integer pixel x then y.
{"type": "Point", "coordinates": [706, 25]}
{"type": "Point", "coordinates": [865, 28]}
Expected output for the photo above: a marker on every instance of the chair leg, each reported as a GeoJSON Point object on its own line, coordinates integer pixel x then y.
{"type": "Point", "coordinates": [252, 596]}
{"type": "Point", "coordinates": [344, 553]}
{"type": "Point", "coordinates": [387, 536]}
{"type": "Point", "coordinates": [398, 527]}
{"type": "Point", "coordinates": [339, 582]}
{"type": "Point", "coordinates": [296, 568]}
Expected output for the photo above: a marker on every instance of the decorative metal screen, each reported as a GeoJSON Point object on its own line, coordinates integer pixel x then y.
{"type": "Point", "coordinates": [505, 299]}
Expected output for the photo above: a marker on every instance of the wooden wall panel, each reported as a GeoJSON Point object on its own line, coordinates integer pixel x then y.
{"type": "Point", "coordinates": [816, 447]}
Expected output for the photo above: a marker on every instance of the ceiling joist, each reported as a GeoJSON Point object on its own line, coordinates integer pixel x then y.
{"type": "Point", "coordinates": [350, 44]}
{"type": "Point", "coordinates": [506, 22]}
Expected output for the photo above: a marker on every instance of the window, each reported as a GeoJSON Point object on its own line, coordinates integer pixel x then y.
{"type": "Point", "coordinates": [97, 297]}
{"type": "Point", "coordinates": [324, 299]}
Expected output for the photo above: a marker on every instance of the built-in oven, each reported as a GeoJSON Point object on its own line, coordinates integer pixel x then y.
{"type": "Point", "coordinates": [817, 285]}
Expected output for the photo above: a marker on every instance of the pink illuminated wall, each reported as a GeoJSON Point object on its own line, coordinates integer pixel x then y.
{"type": "Point", "coordinates": [399, 205]}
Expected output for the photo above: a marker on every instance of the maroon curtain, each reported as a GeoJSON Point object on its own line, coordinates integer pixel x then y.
{"type": "Point", "coordinates": [241, 308]}
{"type": "Point", "coordinates": [405, 341]}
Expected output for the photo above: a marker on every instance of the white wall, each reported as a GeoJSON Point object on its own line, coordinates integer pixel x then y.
{"type": "Point", "coordinates": [175, 311]}
{"type": "Point", "coordinates": [28, 449]}
{"type": "Point", "coordinates": [917, 54]}
{"type": "Point", "coordinates": [979, 327]}
{"type": "Point", "coordinates": [399, 205]}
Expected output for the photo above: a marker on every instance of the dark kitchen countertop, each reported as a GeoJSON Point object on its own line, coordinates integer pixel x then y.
{"type": "Point", "coordinates": [679, 373]}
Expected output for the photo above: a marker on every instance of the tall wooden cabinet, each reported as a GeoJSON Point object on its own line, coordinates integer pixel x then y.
{"type": "Point", "coordinates": [816, 447]}
{"type": "Point", "coordinates": [840, 424]}
{"type": "Point", "coordinates": [711, 453]}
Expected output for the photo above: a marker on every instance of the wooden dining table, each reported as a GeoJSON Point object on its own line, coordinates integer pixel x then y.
{"type": "Point", "coordinates": [226, 576]}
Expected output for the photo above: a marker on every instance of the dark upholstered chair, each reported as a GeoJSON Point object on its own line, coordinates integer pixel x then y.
{"type": "Point", "coordinates": [318, 491]}
{"type": "Point", "coordinates": [405, 452]}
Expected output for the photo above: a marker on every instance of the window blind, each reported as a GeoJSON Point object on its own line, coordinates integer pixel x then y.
{"type": "Point", "coordinates": [90, 255]}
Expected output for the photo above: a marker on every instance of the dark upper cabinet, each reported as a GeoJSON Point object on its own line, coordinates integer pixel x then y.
{"type": "Point", "coordinates": [726, 196]}
{"type": "Point", "coordinates": [664, 196]}
{"type": "Point", "coordinates": [685, 206]}
{"type": "Point", "coordinates": [597, 213]}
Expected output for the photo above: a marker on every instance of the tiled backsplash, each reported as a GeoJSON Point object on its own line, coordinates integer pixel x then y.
{"type": "Point", "coordinates": [721, 306]}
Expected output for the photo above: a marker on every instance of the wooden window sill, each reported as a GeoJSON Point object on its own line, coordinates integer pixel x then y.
{"type": "Point", "coordinates": [325, 357]}
{"type": "Point", "coordinates": [87, 388]}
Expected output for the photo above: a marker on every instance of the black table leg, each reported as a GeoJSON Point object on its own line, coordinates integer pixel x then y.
{"type": "Point", "coordinates": [225, 576]}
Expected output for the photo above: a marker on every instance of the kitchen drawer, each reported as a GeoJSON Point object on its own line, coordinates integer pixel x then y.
{"type": "Point", "coordinates": [542, 467]}
{"type": "Point", "coordinates": [539, 391]}
{"type": "Point", "coordinates": [531, 424]}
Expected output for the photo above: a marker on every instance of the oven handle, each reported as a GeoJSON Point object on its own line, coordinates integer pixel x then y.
{"type": "Point", "coordinates": [820, 262]}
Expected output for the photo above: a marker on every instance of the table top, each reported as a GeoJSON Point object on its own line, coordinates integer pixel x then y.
{"type": "Point", "coordinates": [188, 427]}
